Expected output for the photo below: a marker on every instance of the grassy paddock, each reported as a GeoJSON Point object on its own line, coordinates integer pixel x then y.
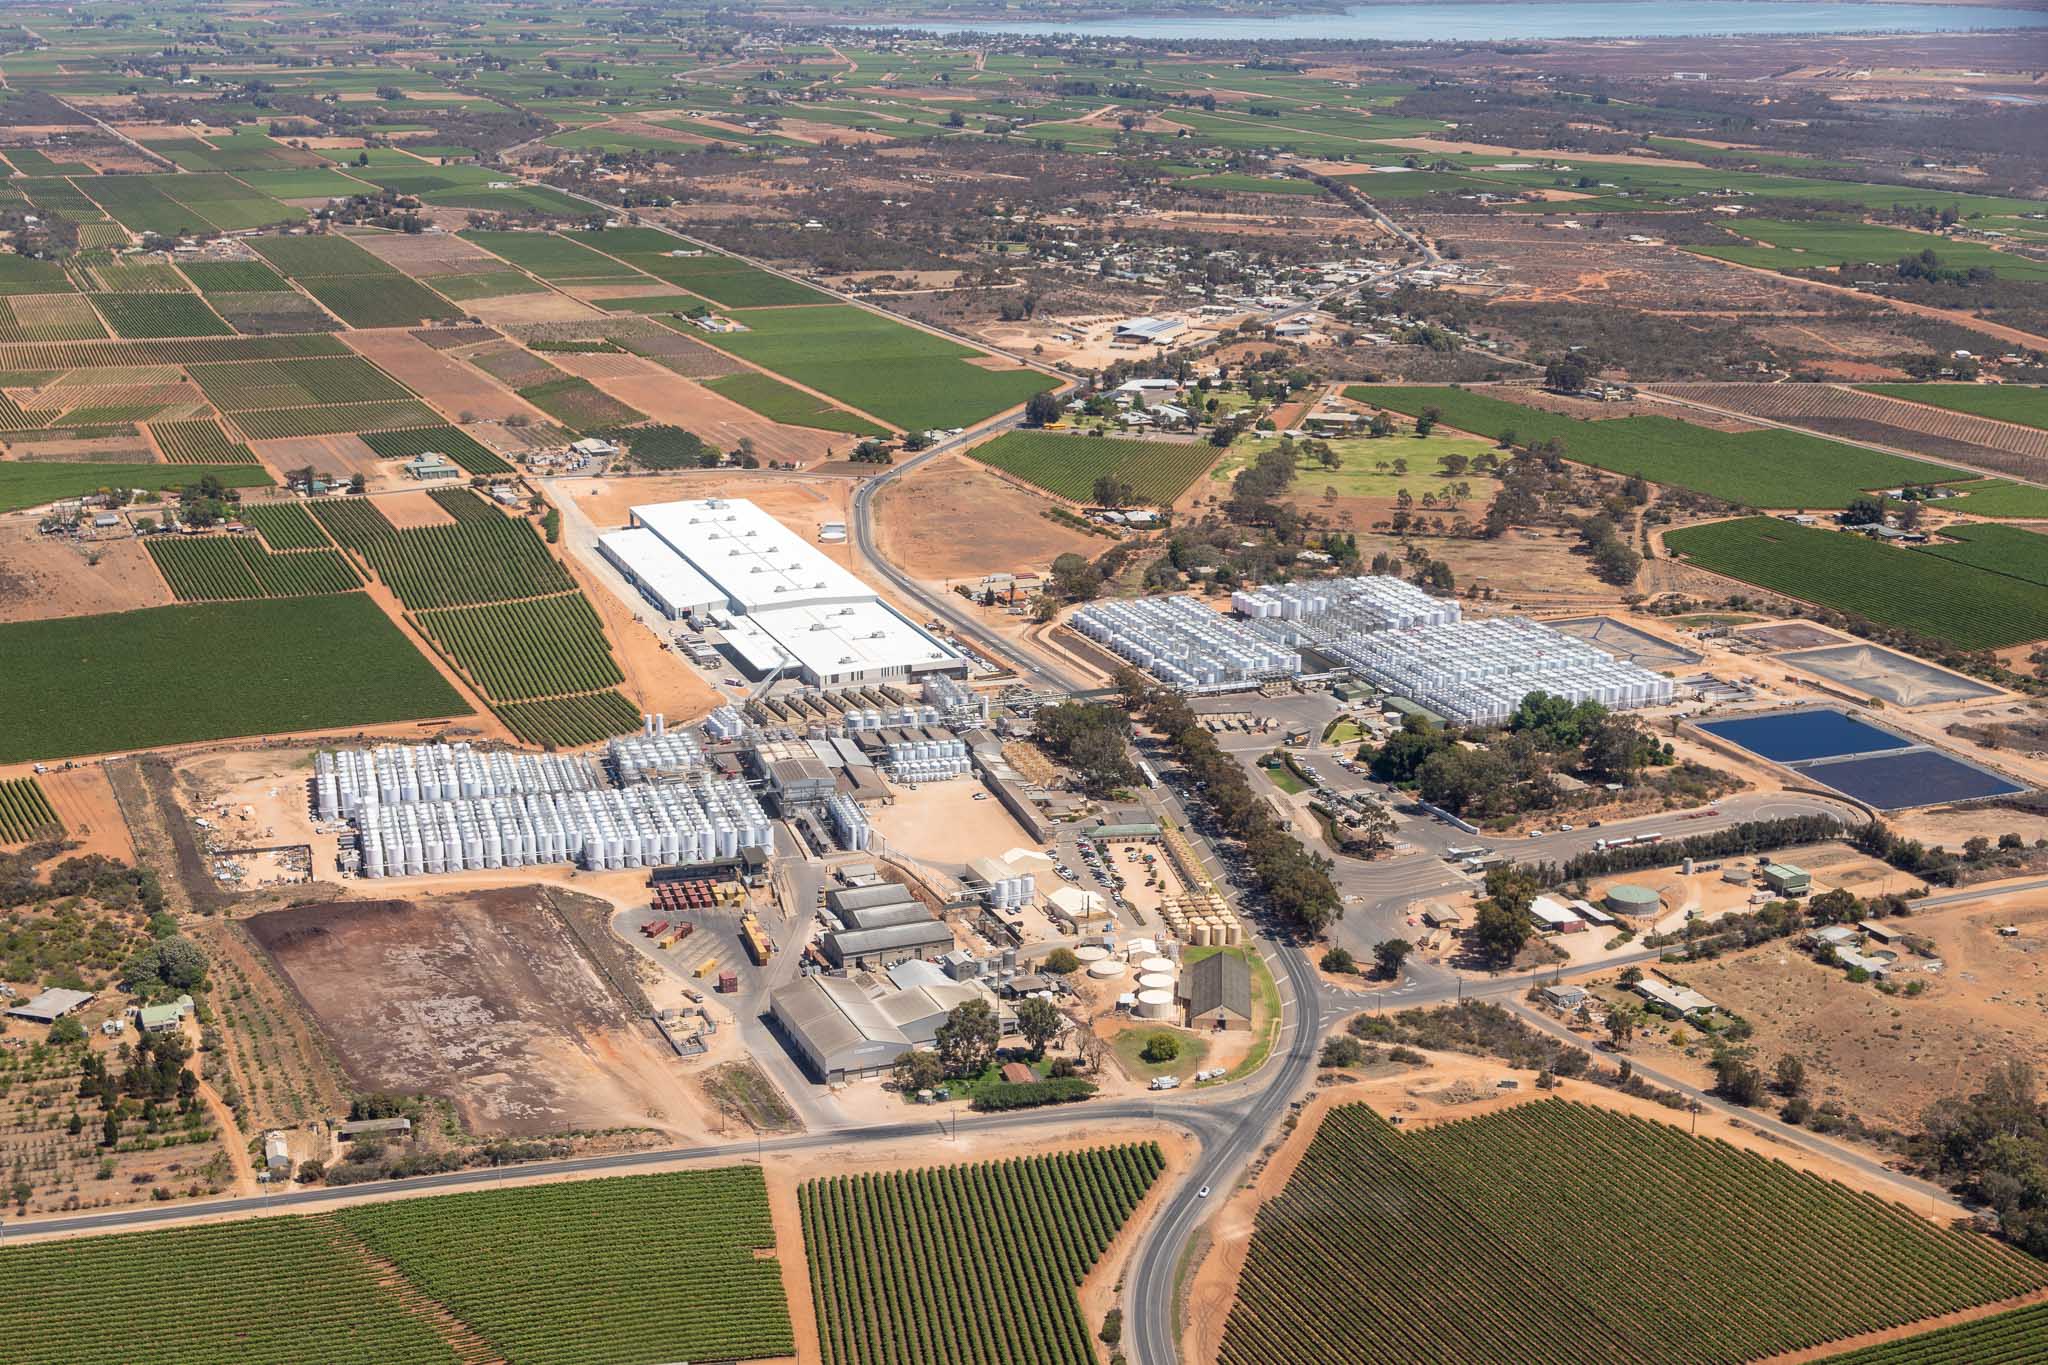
{"type": "Point", "coordinates": [1158, 471]}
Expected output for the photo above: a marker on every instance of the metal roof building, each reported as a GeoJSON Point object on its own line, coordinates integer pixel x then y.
{"type": "Point", "coordinates": [888, 945]}
{"type": "Point", "coordinates": [1217, 992]}
{"type": "Point", "coordinates": [841, 1028]}
{"type": "Point", "coordinates": [51, 1006]}
{"type": "Point", "coordinates": [663, 577]}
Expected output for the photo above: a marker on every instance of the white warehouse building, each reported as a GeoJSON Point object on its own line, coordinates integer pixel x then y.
{"type": "Point", "coordinates": [779, 601]}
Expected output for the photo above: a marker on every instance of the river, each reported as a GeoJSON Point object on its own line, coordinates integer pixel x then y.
{"type": "Point", "coordinates": [1461, 20]}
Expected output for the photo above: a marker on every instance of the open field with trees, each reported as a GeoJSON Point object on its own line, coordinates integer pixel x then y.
{"type": "Point", "coordinates": [1969, 607]}
{"type": "Point", "coordinates": [171, 675]}
{"type": "Point", "coordinates": [1722, 1256]}
{"type": "Point", "coordinates": [1156, 471]}
{"type": "Point", "coordinates": [1771, 468]}
{"type": "Point", "coordinates": [967, 1265]}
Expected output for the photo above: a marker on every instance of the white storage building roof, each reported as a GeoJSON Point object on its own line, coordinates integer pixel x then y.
{"type": "Point", "coordinates": [658, 571]}
{"type": "Point", "coordinates": [851, 640]}
{"type": "Point", "coordinates": [756, 561]}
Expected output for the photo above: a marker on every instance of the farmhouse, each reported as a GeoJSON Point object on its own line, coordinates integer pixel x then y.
{"type": "Point", "coordinates": [433, 467]}
{"type": "Point", "coordinates": [780, 603]}
{"type": "Point", "coordinates": [1553, 916]}
{"type": "Point", "coordinates": [1217, 992]}
{"type": "Point", "coordinates": [1671, 998]}
{"type": "Point", "coordinates": [163, 1018]}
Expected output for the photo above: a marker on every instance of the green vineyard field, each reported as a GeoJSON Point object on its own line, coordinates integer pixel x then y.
{"type": "Point", "coordinates": [2007, 550]}
{"type": "Point", "coordinates": [1772, 468]}
{"type": "Point", "coordinates": [221, 569]}
{"type": "Point", "coordinates": [571, 722]}
{"type": "Point", "coordinates": [2016, 1338]}
{"type": "Point", "coordinates": [285, 526]}
{"type": "Point", "coordinates": [489, 558]}
{"type": "Point", "coordinates": [631, 1269]}
{"type": "Point", "coordinates": [1969, 607]}
{"type": "Point", "coordinates": [967, 1265]}
{"type": "Point", "coordinates": [459, 446]}
{"type": "Point", "coordinates": [25, 812]}
{"type": "Point", "coordinates": [1555, 1233]}
{"type": "Point", "coordinates": [199, 442]}
{"type": "Point", "coordinates": [515, 651]}
{"type": "Point", "coordinates": [1157, 471]}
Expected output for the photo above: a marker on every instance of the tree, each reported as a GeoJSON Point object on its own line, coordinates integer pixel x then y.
{"type": "Point", "coordinates": [1499, 931]}
{"type": "Point", "coordinates": [1160, 1049]}
{"type": "Point", "coordinates": [1110, 491]}
{"type": "Point", "coordinates": [1865, 511]}
{"type": "Point", "coordinates": [1737, 1080]}
{"type": "Point", "coordinates": [1040, 1023]}
{"type": "Point", "coordinates": [312, 1172]}
{"type": "Point", "coordinates": [1061, 961]}
{"type": "Point", "coordinates": [1339, 961]}
{"type": "Point", "coordinates": [1622, 1019]}
{"type": "Point", "coordinates": [967, 1040]}
{"type": "Point", "coordinates": [1042, 409]}
{"type": "Point", "coordinates": [110, 1130]}
{"type": "Point", "coordinates": [67, 1030]}
{"type": "Point", "coordinates": [1568, 373]}
{"type": "Point", "coordinates": [1390, 954]}
{"type": "Point", "coordinates": [1790, 1074]}
{"type": "Point", "coordinates": [919, 1069]}
{"type": "Point", "coordinates": [1427, 422]}
{"type": "Point", "coordinates": [167, 966]}
{"type": "Point", "coordinates": [1618, 747]}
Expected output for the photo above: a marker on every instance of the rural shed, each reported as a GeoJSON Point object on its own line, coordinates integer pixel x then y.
{"type": "Point", "coordinates": [1217, 992]}
{"type": "Point", "coordinates": [51, 1006]}
{"type": "Point", "coordinates": [854, 898]}
{"type": "Point", "coordinates": [887, 946]}
{"type": "Point", "coordinates": [1787, 880]}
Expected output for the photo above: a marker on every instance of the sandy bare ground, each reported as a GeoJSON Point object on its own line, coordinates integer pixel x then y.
{"type": "Point", "coordinates": [954, 519]}
{"type": "Point", "coordinates": [42, 577]}
{"type": "Point", "coordinates": [517, 308]}
{"type": "Point", "coordinates": [656, 680]}
{"type": "Point", "coordinates": [483, 998]}
{"type": "Point", "coordinates": [454, 388]}
{"type": "Point", "coordinates": [1433, 144]}
{"type": "Point", "coordinates": [410, 509]}
{"type": "Point", "coordinates": [92, 819]}
{"type": "Point", "coordinates": [421, 254]}
{"type": "Point", "coordinates": [668, 397]}
{"type": "Point", "coordinates": [333, 457]}
{"type": "Point", "coordinates": [940, 823]}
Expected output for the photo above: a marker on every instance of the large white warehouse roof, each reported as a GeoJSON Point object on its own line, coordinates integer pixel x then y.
{"type": "Point", "coordinates": [660, 572]}
{"type": "Point", "coordinates": [756, 561]}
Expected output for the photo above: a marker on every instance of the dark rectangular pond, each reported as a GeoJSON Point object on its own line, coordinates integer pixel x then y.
{"type": "Point", "coordinates": [1797, 736]}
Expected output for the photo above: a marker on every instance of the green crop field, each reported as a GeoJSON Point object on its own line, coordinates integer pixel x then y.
{"type": "Point", "coordinates": [32, 484]}
{"type": "Point", "coordinates": [779, 402]}
{"type": "Point", "coordinates": [295, 383]}
{"type": "Point", "coordinates": [459, 446]}
{"type": "Point", "coordinates": [639, 1268]}
{"type": "Point", "coordinates": [89, 1301]}
{"type": "Point", "coordinates": [87, 355]}
{"type": "Point", "coordinates": [488, 284]}
{"type": "Point", "coordinates": [380, 301]}
{"type": "Point", "coordinates": [25, 812]}
{"type": "Point", "coordinates": [330, 419]}
{"type": "Point", "coordinates": [571, 722]}
{"type": "Point", "coordinates": [222, 568]}
{"type": "Point", "coordinates": [552, 257]}
{"type": "Point", "coordinates": [199, 442]}
{"type": "Point", "coordinates": [579, 404]}
{"type": "Point", "coordinates": [172, 675]}
{"type": "Point", "coordinates": [1157, 471]}
{"type": "Point", "coordinates": [1941, 598]}
{"type": "Point", "coordinates": [285, 525]}
{"type": "Point", "coordinates": [160, 315]}
{"type": "Point", "coordinates": [967, 1265]}
{"type": "Point", "coordinates": [1999, 498]}
{"type": "Point", "coordinates": [308, 258]}
{"type": "Point", "coordinates": [515, 651]}
{"type": "Point", "coordinates": [1470, 1242]}
{"type": "Point", "coordinates": [2004, 550]}
{"type": "Point", "coordinates": [1818, 244]}
{"type": "Point", "coordinates": [233, 277]}
{"type": "Point", "coordinates": [487, 558]}
{"type": "Point", "coordinates": [2016, 1338]}
{"type": "Point", "coordinates": [725, 280]}
{"type": "Point", "coordinates": [889, 369]}
{"type": "Point", "coordinates": [1771, 468]}
{"type": "Point", "coordinates": [2023, 404]}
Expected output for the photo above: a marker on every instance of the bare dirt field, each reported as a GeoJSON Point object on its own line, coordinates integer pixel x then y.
{"type": "Point", "coordinates": [333, 457]}
{"type": "Point", "coordinates": [48, 576]}
{"type": "Point", "coordinates": [92, 820]}
{"type": "Point", "coordinates": [421, 254]}
{"type": "Point", "coordinates": [517, 308]}
{"type": "Point", "coordinates": [413, 508]}
{"type": "Point", "coordinates": [954, 519]}
{"type": "Point", "coordinates": [941, 823]}
{"type": "Point", "coordinates": [1887, 1057]}
{"type": "Point", "coordinates": [483, 998]}
{"type": "Point", "coordinates": [456, 389]}
{"type": "Point", "coordinates": [658, 681]}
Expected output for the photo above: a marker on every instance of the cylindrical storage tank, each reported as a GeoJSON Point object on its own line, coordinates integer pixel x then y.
{"type": "Point", "coordinates": [1092, 954]}
{"type": "Point", "coordinates": [1106, 970]}
{"type": "Point", "coordinates": [1155, 1004]}
{"type": "Point", "coordinates": [1155, 981]}
{"type": "Point", "coordinates": [1155, 964]}
{"type": "Point", "coordinates": [1200, 934]}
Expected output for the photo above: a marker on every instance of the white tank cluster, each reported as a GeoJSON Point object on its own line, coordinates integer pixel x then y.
{"type": "Point", "coordinates": [849, 823]}
{"type": "Point", "coordinates": [1478, 672]}
{"type": "Point", "coordinates": [1003, 887]}
{"type": "Point", "coordinates": [1375, 602]}
{"type": "Point", "coordinates": [347, 780]}
{"type": "Point", "coordinates": [642, 826]}
{"type": "Point", "coordinates": [890, 717]}
{"type": "Point", "coordinates": [640, 758]}
{"type": "Point", "coordinates": [959, 706]}
{"type": "Point", "coordinates": [725, 723]}
{"type": "Point", "coordinates": [1182, 642]}
{"type": "Point", "coordinates": [925, 760]}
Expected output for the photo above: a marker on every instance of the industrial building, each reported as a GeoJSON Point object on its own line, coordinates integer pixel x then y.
{"type": "Point", "coordinates": [1150, 331]}
{"type": "Point", "coordinates": [1216, 992]}
{"type": "Point", "coordinates": [846, 1026]}
{"type": "Point", "coordinates": [780, 604]}
{"type": "Point", "coordinates": [888, 944]}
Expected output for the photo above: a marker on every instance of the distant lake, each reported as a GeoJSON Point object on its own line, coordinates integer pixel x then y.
{"type": "Point", "coordinates": [1570, 19]}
